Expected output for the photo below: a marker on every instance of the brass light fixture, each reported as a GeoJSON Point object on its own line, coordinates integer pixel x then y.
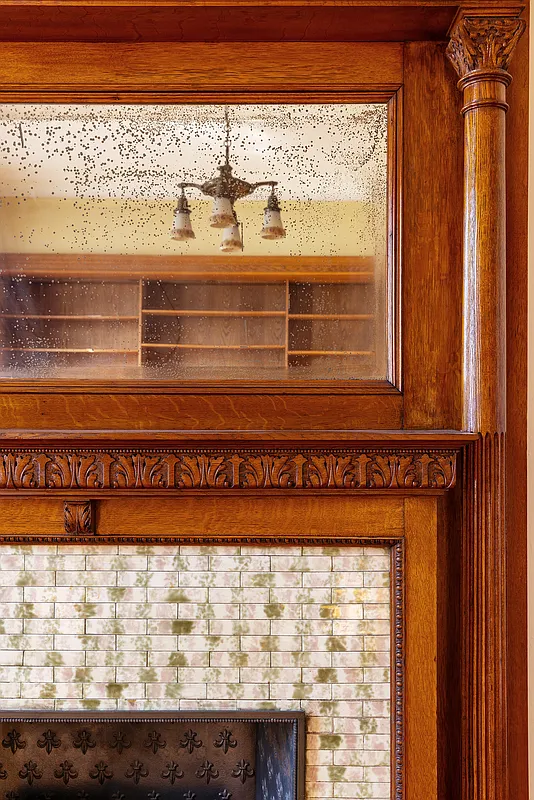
{"type": "Point", "coordinates": [225, 189]}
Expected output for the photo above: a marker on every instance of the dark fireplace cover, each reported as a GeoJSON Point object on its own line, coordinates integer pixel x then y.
{"type": "Point", "coordinates": [152, 756]}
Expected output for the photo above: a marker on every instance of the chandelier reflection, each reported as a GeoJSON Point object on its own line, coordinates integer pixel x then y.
{"type": "Point", "coordinates": [225, 189]}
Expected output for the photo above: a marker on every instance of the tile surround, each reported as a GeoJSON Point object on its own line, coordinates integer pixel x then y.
{"type": "Point", "coordinates": [120, 627]}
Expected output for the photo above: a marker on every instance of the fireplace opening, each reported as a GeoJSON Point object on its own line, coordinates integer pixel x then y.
{"type": "Point", "coordinates": [123, 756]}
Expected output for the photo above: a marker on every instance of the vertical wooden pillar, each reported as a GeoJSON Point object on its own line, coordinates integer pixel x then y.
{"type": "Point", "coordinates": [480, 48]}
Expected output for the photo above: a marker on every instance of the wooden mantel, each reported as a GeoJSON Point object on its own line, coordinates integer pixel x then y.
{"type": "Point", "coordinates": [441, 445]}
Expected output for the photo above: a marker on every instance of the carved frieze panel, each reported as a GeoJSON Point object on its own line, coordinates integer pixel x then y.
{"type": "Point", "coordinates": [228, 469]}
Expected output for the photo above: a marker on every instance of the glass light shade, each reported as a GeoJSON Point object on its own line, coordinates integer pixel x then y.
{"type": "Point", "coordinates": [272, 224]}
{"type": "Point", "coordinates": [182, 229]}
{"type": "Point", "coordinates": [231, 239]}
{"type": "Point", "coordinates": [222, 215]}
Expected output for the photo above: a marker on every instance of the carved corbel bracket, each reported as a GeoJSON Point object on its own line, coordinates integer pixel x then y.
{"type": "Point", "coordinates": [79, 516]}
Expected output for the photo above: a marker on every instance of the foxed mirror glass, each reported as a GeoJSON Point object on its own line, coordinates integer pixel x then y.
{"type": "Point", "coordinates": [194, 242]}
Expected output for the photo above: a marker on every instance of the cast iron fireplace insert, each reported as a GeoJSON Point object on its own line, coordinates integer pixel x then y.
{"type": "Point", "coordinates": [152, 756]}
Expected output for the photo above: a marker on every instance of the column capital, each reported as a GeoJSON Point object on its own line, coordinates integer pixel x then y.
{"type": "Point", "coordinates": [484, 44]}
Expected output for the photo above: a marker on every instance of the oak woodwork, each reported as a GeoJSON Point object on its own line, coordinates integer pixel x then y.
{"type": "Point", "coordinates": [431, 252]}
{"type": "Point", "coordinates": [210, 518]}
{"type": "Point", "coordinates": [79, 516]}
{"type": "Point", "coordinates": [234, 22]}
{"type": "Point", "coordinates": [516, 390]}
{"type": "Point", "coordinates": [421, 665]}
{"type": "Point", "coordinates": [480, 50]}
{"type": "Point", "coordinates": [436, 387]}
{"type": "Point", "coordinates": [166, 68]}
{"type": "Point", "coordinates": [240, 469]}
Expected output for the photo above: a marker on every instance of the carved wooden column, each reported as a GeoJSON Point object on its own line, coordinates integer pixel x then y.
{"type": "Point", "coordinates": [480, 48]}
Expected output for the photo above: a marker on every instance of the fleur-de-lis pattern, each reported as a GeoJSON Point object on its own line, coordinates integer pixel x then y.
{"type": "Point", "coordinates": [49, 741]}
{"type": "Point", "coordinates": [101, 772]}
{"type": "Point", "coordinates": [14, 741]}
{"type": "Point", "coordinates": [84, 741]}
{"type": "Point", "coordinates": [243, 770]}
{"type": "Point", "coordinates": [225, 740]}
{"type": "Point", "coordinates": [172, 772]}
{"type": "Point", "coordinates": [154, 741]}
{"type": "Point", "coordinates": [30, 772]}
{"type": "Point", "coordinates": [207, 770]}
{"type": "Point", "coordinates": [66, 771]}
{"type": "Point", "coordinates": [137, 751]}
{"type": "Point", "coordinates": [120, 742]}
{"type": "Point", "coordinates": [190, 741]}
{"type": "Point", "coordinates": [137, 770]}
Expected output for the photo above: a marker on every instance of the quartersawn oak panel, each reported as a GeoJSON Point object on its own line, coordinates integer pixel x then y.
{"type": "Point", "coordinates": [432, 240]}
{"type": "Point", "coordinates": [421, 764]}
{"type": "Point", "coordinates": [199, 412]}
{"type": "Point", "coordinates": [133, 518]}
{"type": "Point", "coordinates": [168, 66]}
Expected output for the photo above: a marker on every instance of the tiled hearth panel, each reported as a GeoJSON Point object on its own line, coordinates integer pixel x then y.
{"type": "Point", "coordinates": [211, 628]}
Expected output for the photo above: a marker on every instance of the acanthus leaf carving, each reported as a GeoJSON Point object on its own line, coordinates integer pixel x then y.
{"type": "Point", "coordinates": [78, 516]}
{"type": "Point", "coordinates": [73, 471]}
{"type": "Point", "coordinates": [483, 43]}
{"type": "Point", "coordinates": [240, 469]}
{"type": "Point", "coordinates": [18, 471]}
{"type": "Point", "coordinates": [202, 472]}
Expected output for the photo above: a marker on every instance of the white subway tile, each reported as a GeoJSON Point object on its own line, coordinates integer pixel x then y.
{"type": "Point", "coordinates": [240, 658]}
{"type": "Point", "coordinates": [244, 595]}
{"type": "Point", "coordinates": [242, 691]}
{"type": "Point", "coordinates": [268, 579]}
{"type": "Point", "coordinates": [84, 610]}
{"type": "Point", "coordinates": [146, 674]}
{"type": "Point", "coordinates": [236, 627]}
{"type": "Point", "coordinates": [68, 658]}
{"type": "Point", "coordinates": [208, 611]}
{"type": "Point", "coordinates": [167, 643]}
{"type": "Point", "coordinates": [270, 675]}
{"type": "Point", "coordinates": [178, 626]}
{"type": "Point", "coordinates": [259, 563]}
{"type": "Point", "coordinates": [176, 691]}
{"type": "Point", "coordinates": [118, 594]}
{"type": "Point", "coordinates": [83, 642]}
{"type": "Point", "coordinates": [208, 675]}
{"type": "Point", "coordinates": [112, 658]}
{"type": "Point", "coordinates": [204, 579]}
{"type": "Point", "coordinates": [88, 578]}
{"type": "Point", "coordinates": [301, 659]}
{"type": "Point", "coordinates": [229, 643]}
{"type": "Point", "coordinates": [178, 659]}
{"type": "Point", "coordinates": [271, 643]}
{"type": "Point", "coordinates": [128, 626]}
{"type": "Point", "coordinates": [22, 578]}
{"type": "Point", "coordinates": [156, 611]}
